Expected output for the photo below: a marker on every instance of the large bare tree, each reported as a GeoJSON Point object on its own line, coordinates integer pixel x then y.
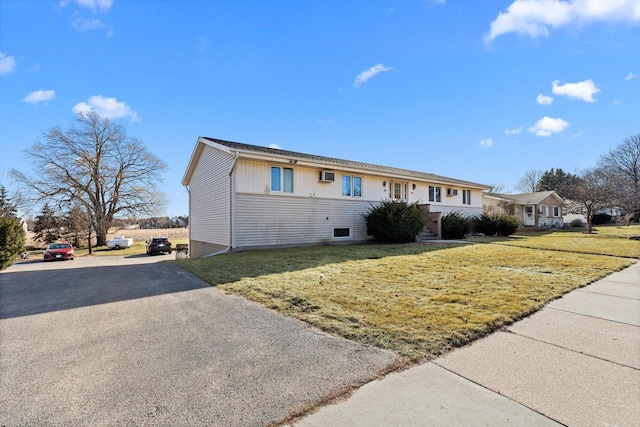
{"type": "Point", "coordinates": [622, 164]}
{"type": "Point", "coordinates": [96, 165]}
{"type": "Point", "coordinates": [591, 192]}
{"type": "Point", "coordinates": [529, 182]}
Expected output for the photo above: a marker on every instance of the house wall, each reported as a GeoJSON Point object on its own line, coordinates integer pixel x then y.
{"type": "Point", "coordinates": [253, 177]}
{"type": "Point", "coordinates": [549, 221]}
{"type": "Point", "coordinates": [492, 205]}
{"type": "Point", "coordinates": [209, 207]}
{"type": "Point", "coordinates": [264, 218]}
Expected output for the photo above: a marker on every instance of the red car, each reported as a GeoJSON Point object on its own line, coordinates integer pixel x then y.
{"type": "Point", "coordinates": [58, 251]}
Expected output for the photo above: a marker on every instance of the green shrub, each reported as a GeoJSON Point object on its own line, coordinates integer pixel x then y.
{"type": "Point", "coordinates": [455, 225]}
{"type": "Point", "coordinates": [496, 224]}
{"type": "Point", "coordinates": [599, 219]}
{"type": "Point", "coordinates": [395, 221]}
{"type": "Point", "coordinates": [11, 241]}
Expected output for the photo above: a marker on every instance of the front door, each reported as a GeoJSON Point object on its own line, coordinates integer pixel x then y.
{"type": "Point", "coordinates": [529, 216]}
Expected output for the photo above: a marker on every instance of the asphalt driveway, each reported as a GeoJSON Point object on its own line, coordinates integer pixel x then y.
{"type": "Point", "coordinates": [136, 341]}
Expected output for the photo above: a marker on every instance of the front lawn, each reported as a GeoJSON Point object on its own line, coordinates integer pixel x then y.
{"type": "Point", "coordinates": [607, 240]}
{"type": "Point", "coordinates": [417, 299]}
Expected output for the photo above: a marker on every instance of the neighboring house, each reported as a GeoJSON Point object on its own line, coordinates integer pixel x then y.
{"type": "Point", "coordinates": [543, 209]}
{"type": "Point", "coordinates": [248, 197]}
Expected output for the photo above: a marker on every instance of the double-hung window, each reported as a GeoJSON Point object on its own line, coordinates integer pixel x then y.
{"type": "Point", "coordinates": [466, 197]}
{"type": "Point", "coordinates": [435, 194]}
{"type": "Point", "coordinates": [281, 179]}
{"type": "Point", "coordinates": [556, 211]}
{"type": "Point", "coordinates": [544, 210]}
{"type": "Point", "coordinates": [351, 186]}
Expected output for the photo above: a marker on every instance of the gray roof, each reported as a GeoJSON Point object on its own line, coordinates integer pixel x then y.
{"type": "Point", "coordinates": [344, 163]}
{"type": "Point", "coordinates": [526, 198]}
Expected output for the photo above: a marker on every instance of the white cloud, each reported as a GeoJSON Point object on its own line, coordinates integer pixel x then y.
{"type": "Point", "coordinates": [631, 76]}
{"type": "Point", "coordinates": [7, 64]}
{"type": "Point", "coordinates": [486, 142]}
{"type": "Point", "coordinates": [276, 146]}
{"type": "Point", "coordinates": [544, 100]}
{"type": "Point", "coordinates": [82, 24]}
{"type": "Point", "coordinates": [515, 131]}
{"type": "Point", "coordinates": [534, 18]}
{"type": "Point", "coordinates": [582, 91]}
{"type": "Point", "coordinates": [366, 75]}
{"type": "Point", "coordinates": [102, 6]}
{"type": "Point", "coordinates": [576, 135]}
{"type": "Point", "coordinates": [547, 126]}
{"type": "Point", "coordinates": [40, 96]}
{"type": "Point", "coordinates": [107, 107]}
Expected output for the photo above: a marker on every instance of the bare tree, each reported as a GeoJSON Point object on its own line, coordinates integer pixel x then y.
{"type": "Point", "coordinates": [96, 165]}
{"type": "Point", "coordinates": [529, 182]}
{"type": "Point", "coordinates": [622, 164]}
{"type": "Point", "coordinates": [498, 188]}
{"type": "Point", "coordinates": [592, 192]}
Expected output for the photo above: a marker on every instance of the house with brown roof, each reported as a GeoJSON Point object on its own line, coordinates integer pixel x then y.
{"type": "Point", "coordinates": [245, 196]}
{"type": "Point", "coordinates": [542, 209]}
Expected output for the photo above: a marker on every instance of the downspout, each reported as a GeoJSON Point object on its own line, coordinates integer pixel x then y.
{"type": "Point", "coordinates": [189, 193]}
{"type": "Point", "coordinates": [228, 248]}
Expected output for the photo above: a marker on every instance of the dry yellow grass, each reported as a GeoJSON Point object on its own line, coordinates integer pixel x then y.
{"type": "Point", "coordinates": [417, 300]}
{"type": "Point", "coordinates": [608, 240]}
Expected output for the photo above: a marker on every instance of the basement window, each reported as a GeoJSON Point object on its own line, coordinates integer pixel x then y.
{"type": "Point", "coordinates": [341, 233]}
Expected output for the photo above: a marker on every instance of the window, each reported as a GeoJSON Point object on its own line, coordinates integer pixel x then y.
{"type": "Point", "coordinates": [351, 186]}
{"type": "Point", "coordinates": [281, 179]}
{"type": "Point", "coordinates": [341, 232]}
{"type": "Point", "coordinates": [435, 194]}
{"type": "Point", "coordinates": [466, 197]}
{"type": "Point", "coordinates": [556, 211]}
{"type": "Point", "coordinates": [398, 190]}
{"type": "Point", "coordinates": [544, 210]}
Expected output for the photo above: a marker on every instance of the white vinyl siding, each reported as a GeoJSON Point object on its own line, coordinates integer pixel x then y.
{"type": "Point", "coordinates": [209, 197]}
{"type": "Point", "coordinates": [272, 220]}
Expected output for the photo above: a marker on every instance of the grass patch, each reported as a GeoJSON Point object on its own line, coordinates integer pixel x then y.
{"type": "Point", "coordinates": [417, 300]}
{"type": "Point", "coordinates": [609, 240]}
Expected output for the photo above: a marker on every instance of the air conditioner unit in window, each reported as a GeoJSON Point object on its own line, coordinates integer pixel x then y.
{"type": "Point", "coordinates": [327, 176]}
{"type": "Point", "coordinates": [452, 192]}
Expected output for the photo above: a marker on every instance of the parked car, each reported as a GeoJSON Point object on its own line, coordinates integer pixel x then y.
{"type": "Point", "coordinates": [59, 252]}
{"type": "Point", "coordinates": [120, 242]}
{"type": "Point", "coordinates": [158, 245]}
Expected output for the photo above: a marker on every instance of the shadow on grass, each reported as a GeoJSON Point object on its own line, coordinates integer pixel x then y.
{"type": "Point", "coordinates": [233, 267]}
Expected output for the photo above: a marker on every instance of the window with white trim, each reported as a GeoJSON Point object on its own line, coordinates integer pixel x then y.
{"type": "Point", "coordinates": [341, 233]}
{"type": "Point", "coordinates": [557, 211]}
{"type": "Point", "coordinates": [544, 210]}
{"type": "Point", "coordinates": [435, 194]}
{"type": "Point", "coordinates": [281, 179]}
{"type": "Point", "coordinates": [351, 186]}
{"type": "Point", "coordinates": [466, 197]}
{"type": "Point", "coordinates": [398, 190]}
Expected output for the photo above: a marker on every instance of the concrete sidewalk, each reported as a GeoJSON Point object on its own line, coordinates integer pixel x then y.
{"type": "Point", "coordinates": [575, 362]}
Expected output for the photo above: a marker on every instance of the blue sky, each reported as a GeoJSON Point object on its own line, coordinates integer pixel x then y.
{"type": "Point", "coordinates": [475, 90]}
